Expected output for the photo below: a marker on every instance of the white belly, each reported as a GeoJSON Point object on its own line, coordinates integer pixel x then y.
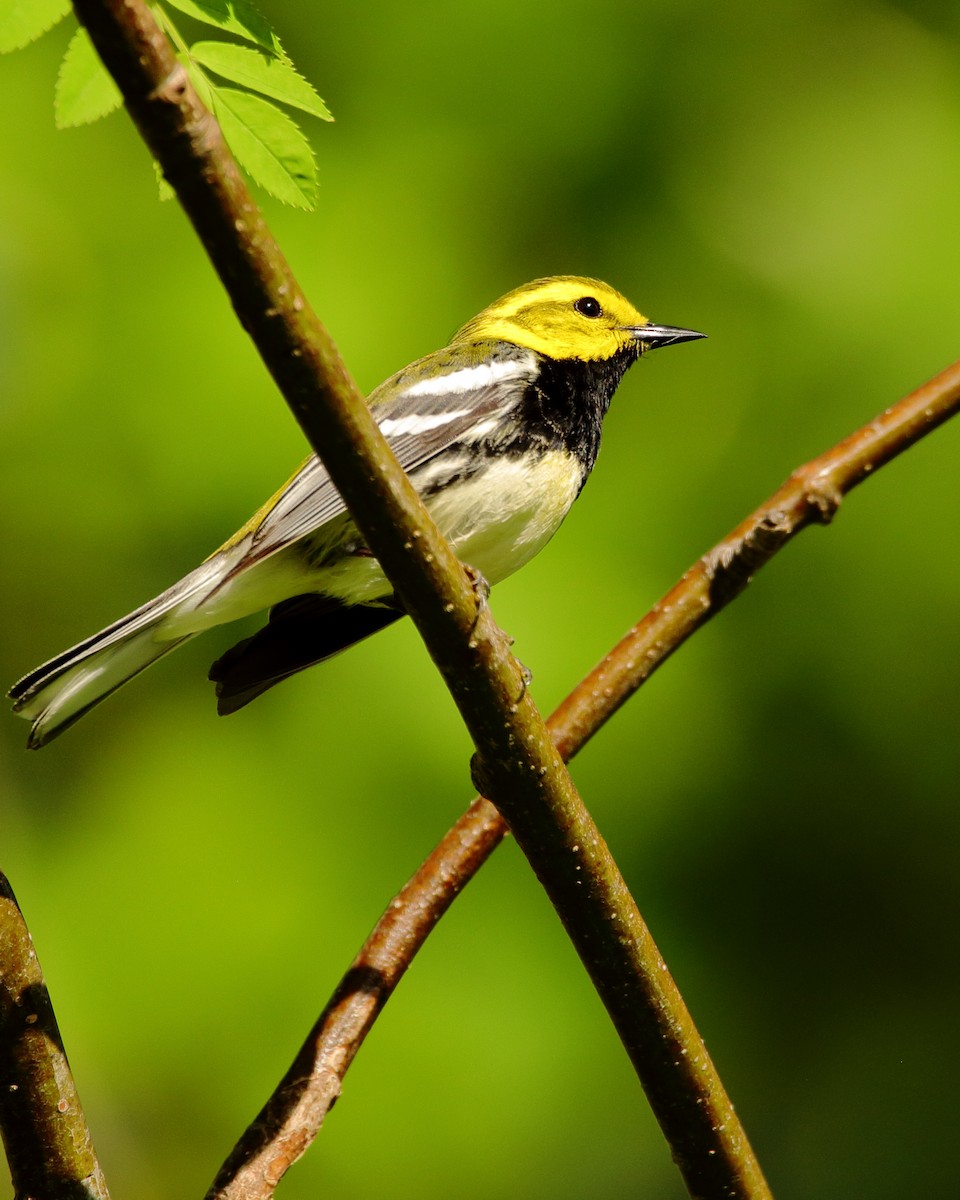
{"type": "Point", "coordinates": [499, 521]}
{"type": "Point", "coordinates": [495, 523]}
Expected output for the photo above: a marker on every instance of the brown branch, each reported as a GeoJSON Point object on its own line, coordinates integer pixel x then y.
{"type": "Point", "coordinates": [812, 494]}
{"type": "Point", "coordinates": [517, 763]}
{"type": "Point", "coordinates": [292, 1117]}
{"type": "Point", "coordinates": [45, 1133]}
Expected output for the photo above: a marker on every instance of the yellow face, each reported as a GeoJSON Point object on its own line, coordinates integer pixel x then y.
{"type": "Point", "coordinates": [564, 317]}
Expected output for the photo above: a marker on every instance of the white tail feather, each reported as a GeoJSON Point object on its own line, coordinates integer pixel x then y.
{"type": "Point", "coordinates": [63, 689]}
{"type": "Point", "coordinates": [72, 690]}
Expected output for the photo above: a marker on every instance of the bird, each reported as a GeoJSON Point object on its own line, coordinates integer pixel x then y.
{"type": "Point", "coordinates": [498, 432]}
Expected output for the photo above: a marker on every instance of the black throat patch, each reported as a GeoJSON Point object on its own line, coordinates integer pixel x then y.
{"type": "Point", "coordinates": [561, 410]}
{"type": "Point", "coordinates": [565, 407]}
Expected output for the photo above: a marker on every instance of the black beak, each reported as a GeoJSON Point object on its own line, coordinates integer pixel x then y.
{"type": "Point", "coordinates": [655, 336]}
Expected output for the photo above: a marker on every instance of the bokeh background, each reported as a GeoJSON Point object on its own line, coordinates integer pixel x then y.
{"type": "Point", "coordinates": [782, 796]}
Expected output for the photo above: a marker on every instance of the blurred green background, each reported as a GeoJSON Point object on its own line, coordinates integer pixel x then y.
{"type": "Point", "coordinates": [782, 797]}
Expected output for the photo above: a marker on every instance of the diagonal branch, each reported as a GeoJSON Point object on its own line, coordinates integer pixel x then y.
{"type": "Point", "coordinates": [292, 1117]}
{"type": "Point", "coordinates": [517, 762]}
{"type": "Point", "coordinates": [45, 1133]}
{"type": "Point", "coordinates": [812, 494]}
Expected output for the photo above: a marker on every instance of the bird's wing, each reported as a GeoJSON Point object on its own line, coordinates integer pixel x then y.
{"type": "Point", "coordinates": [420, 415]}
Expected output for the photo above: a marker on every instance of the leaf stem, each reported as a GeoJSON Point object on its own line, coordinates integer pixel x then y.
{"type": "Point", "coordinates": [168, 27]}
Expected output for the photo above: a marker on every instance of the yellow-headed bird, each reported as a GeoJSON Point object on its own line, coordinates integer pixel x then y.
{"type": "Point", "coordinates": [498, 433]}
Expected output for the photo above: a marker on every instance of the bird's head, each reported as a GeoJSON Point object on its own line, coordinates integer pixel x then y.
{"type": "Point", "coordinates": [567, 317]}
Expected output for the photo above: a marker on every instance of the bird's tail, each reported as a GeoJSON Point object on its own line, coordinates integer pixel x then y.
{"type": "Point", "coordinates": [60, 691]}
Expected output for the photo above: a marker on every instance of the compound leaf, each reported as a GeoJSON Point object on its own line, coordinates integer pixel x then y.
{"type": "Point", "coordinates": [268, 145]}
{"type": "Point", "coordinates": [23, 21]}
{"type": "Point", "coordinates": [274, 77]}
{"type": "Point", "coordinates": [85, 90]}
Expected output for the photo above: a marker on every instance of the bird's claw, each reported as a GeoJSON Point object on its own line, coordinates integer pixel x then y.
{"type": "Point", "coordinates": [479, 584]}
{"type": "Point", "coordinates": [526, 678]}
{"type": "Point", "coordinates": [481, 589]}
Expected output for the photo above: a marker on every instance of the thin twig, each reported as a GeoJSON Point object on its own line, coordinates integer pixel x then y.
{"type": "Point", "coordinates": [292, 1117]}
{"type": "Point", "coordinates": [812, 494]}
{"type": "Point", "coordinates": [45, 1133]}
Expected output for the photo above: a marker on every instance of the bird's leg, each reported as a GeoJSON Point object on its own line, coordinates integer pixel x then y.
{"type": "Point", "coordinates": [479, 583]}
{"type": "Point", "coordinates": [481, 589]}
{"type": "Point", "coordinates": [526, 678]}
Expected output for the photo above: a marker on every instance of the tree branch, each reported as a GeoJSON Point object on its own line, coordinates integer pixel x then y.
{"type": "Point", "coordinates": [45, 1133]}
{"type": "Point", "coordinates": [812, 494]}
{"type": "Point", "coordinates": [517, 763]}
{"type": "Point", "coordinates": [292, 1117]}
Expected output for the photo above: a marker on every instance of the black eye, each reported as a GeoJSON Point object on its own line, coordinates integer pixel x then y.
{"type": "Point", "coordinates": [587, 306]}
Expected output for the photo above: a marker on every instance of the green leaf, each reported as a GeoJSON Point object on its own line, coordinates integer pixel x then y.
{"type": "Point", "coordinates": [235, 16]}
{"type": "Point", "coordinates": [23, 21]}
{"type": "Point", "coordinates": [268, 145]}
{"type": "Point", "coordinates": [165, 191]}
{"type": "Point", "coordinates": [275, 77]}
{"type": "Point", "coordinates": [85, 90]}
{"type": "Point", "coordinates": [202, 85]}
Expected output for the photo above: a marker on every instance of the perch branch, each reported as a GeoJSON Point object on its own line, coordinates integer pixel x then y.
{"type": "Point", "coordinates": [292, 1117]}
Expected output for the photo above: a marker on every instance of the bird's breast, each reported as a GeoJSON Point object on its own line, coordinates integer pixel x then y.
{"type": "Point", "coordinates": [500, 517]}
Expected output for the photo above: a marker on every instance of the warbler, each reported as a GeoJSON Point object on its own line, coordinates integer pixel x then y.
{"type": "Point", "coordinates": [498, 433]}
